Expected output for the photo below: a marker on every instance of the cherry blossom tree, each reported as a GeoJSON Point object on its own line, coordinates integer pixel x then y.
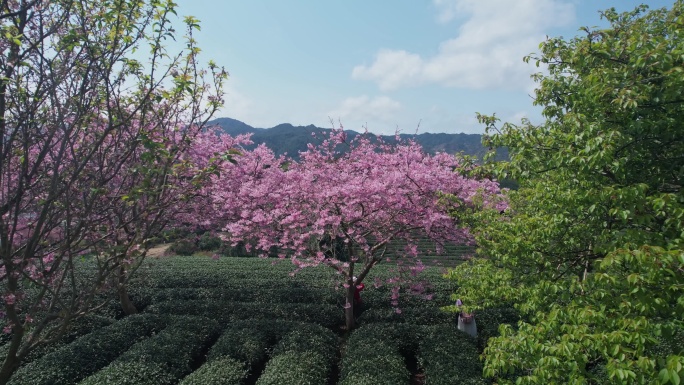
{"type": "Point", "coordinates": [94, 154]}
{"type": "Point", "coordinates": [344, 202]}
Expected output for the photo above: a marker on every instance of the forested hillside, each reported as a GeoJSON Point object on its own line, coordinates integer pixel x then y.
{"type": "Point", "coordinates": [286, 138]}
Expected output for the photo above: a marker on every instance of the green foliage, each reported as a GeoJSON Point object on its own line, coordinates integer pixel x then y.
{"type": "Point", "coordinates": [414, 315]}
{"type": "Point", "coordinates": [185, 246]}
{"type": "Point", "coordinates": [230, 311]}
{"type": "Point", "coordinates": [449, 356]}
{"type": "Point", "coordinates": [221, 371]}
{"type": "Point", "coordinates": [489, 320]}
{"type": "Point", "coordinates": [175, 347]}
{"type": "Point", "coordinates": [590, 250]}
{"type": "Point", "coordinates": [249, 341]}
{"type": "Point", "coordinates": [303, 356]}
{"type": "Point", "coordinates": [77, 328]}
{"type": "Point", "coordinates": [300, 368]}
{"type": "Point", "coordinates": [132, 373]}
{"type": "Point", "coordinates": [209, 242]}
{"type": "Point", "coordinates": [89, 353]}
{"type": "Point", "coordinates": [376, 354]}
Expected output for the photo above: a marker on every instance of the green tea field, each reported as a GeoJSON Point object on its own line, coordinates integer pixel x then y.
{"type": "Point", "coordinates": [248, 321]}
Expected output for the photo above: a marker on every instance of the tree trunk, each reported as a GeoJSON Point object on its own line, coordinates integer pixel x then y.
{"type": "Point", "coordinates": [126, 304]}
{"type": "Point", "coordinates": [350, 320]}
{"type": "Point", "coordinates": [9, 365]}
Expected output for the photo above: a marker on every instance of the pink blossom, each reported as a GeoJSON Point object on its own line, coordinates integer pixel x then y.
{"type": "Point", "coordinates": [9, 298]}
{"type": "Point", "coordinates": [352, 202]}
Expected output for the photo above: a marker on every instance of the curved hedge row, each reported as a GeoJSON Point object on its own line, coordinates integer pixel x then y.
{"type": "Point", "coordinates": [449, 356]}
{"type": "Point", "coordinates": [77, 328]}
{"type": "Point", "coordinates": [168, 355]}
{"type": "Point", "coordinates": [221, 371]}
{"type": "Point", "coordinates": [227, 311]}
{"type": "Point", "coordinates": [88, 354]}
{"type": "Point", "coordinates": [241, 293]}
{"type": "Point", "coordinates": [374, 355]}
{"type": "Point", "coordinates": [412, 315]}
{"type": "Point", "coordinates": [305, 355]}
{"type": "Point", "coordinates": [249, 341]}
{"type": "Point", "coordinates": [133, 373]}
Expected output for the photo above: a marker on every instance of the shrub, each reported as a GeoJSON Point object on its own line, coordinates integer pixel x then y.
{"type": "Point", "coordinates": [412, 315]}
{"type": "Point", "coordinates": [306, 337]}
{"type": "Point", "coordinates": [488, 321]}
{"type": "Point", "coordinates": [169, 353]}
{"type": "Point", "coordinates": [132, 372]}
{"type": "Point", "coordinates": [184, 247]}
{"type": "Point", "coordinates": [449, 356]}
{"type": "Point", "coordinates": [305, 355]}
{"type": "Point", "coordinates": [228, 311]}
{"type": "Point", "coordinates": [209, 242]}
{"type": "Point", "coordinates": [373, 362]}
{"type": "Point", "coordinates": [249, 341]}
{"type": "Point", "coordinates": [88, 354]}
{"type": "Point", "coordinates": [221, 371]}
{"type": "Point", "coordinates": [177, 346]}
{"type": "Point", "coordinates": [295, 368]}
{"type": "Point", "coordinates": [374, 355]}
{"type": "Point", "coordinates": [78, 328]}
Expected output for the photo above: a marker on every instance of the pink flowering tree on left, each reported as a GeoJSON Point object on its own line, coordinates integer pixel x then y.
{"type": "Point", "coordinates": [343, 203]}
{"type": "Point", "coordinates": [96, 154]}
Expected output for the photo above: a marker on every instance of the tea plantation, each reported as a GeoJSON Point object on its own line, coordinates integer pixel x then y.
{"type": "Point", "coordinates": [248, 321]}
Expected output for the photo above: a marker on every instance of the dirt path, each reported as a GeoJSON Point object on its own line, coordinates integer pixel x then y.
{"type": "Point", "coordinates": [158, 251]}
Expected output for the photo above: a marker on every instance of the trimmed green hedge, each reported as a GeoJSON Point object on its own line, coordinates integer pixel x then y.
{"type": "Point", "coordinates": [77, 328]}
{"type": "Point", "coordinates": [249, 341]}
{"type": "Point", "coordinates": [90, 353]}
{"type": "Point", "coordinates": [412, 315]}
{"type": "Point", "coordinates": [449, 356]}
{"type": "Point", "coordinates": [375, 355]}
{"type": "Point", "coordinates": [305, 355]}
{"type": "Point", "coordinates": [228, 311]}
{"type": "Point", "coordinates": [296, 368]}
{"type": "Point", "coordinates": [264, 293]}
{"type": "Point", "coordinates": [221, 371]}
{"type": "Point", "coordinates": [132, 373]}
{"type": "Point", "coordinates": [172, 350]}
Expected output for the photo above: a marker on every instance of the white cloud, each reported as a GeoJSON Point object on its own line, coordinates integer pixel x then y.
{"type": "Point", "coordinates": [380, 109]}
{"type": "Point", "coordinates": [486, 53]}
{"type": "Point", "coordinates": [391, 69]}
{"type": "Point", "coordinates": [448, 10]}
{"type": "Point", "coordinates": [237, 105]}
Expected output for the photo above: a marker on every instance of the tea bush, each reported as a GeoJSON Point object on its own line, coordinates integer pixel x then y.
{"type": "Point", "coordinates": [172, 350]}
{"type": "Point", "coordinates": [374, 355]}
{"type": "Point", "coordinates": [89, 353]}
{"type": "Point", "coordinates": [133, 373]}
{"type": "Point", "coordinates": [305, 355]}
{"type": "Point", "coordinates": [449, 356]}
{"type": "Point", "coordinates": [221, 371]}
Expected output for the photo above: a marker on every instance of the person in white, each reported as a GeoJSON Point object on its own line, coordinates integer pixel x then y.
{"type": "Point", "coordinates": [466, 322]}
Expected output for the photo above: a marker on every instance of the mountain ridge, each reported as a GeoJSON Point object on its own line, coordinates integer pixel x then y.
{"type": "Point", "coordinates": [286, 138]}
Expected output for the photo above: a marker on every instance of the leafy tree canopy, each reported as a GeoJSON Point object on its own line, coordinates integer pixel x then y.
{"type": "Point", "coordinates": [591, 248]}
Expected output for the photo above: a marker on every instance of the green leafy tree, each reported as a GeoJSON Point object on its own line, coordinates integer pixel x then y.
{"type": "Point", "coordinates": [591, 248]}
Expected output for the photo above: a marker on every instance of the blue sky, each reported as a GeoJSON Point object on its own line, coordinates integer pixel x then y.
{"type": "Point", "coordinates": [384, 64]}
